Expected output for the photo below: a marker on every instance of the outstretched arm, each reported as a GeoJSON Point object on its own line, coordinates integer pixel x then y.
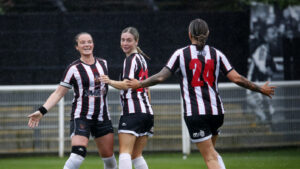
{"type": "Point", "coordinates": [121, 85]}
{"type": "Point", "coordinates": [164, 74]}
{"type": "Point", "coordinates": [240, 80]}
{"type": "Point", "coordinates": [53, 99]}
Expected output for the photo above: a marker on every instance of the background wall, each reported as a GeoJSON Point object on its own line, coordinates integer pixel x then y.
{"type": "Point", "coordinates": [36, 48]}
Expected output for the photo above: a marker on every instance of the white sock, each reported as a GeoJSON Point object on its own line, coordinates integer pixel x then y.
{"type": "Point", "coordinates": [221, 163]}
{"type": "Point", "coordinates": [110, 162]}
{"type": "Point", "coordinates": [125, 161]}
{"type": "Point", "coordinates": [140, 163]}
{"type": "Point", "coordinates": [74, 161]}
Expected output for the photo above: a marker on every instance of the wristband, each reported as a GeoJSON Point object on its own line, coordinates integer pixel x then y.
{"type": "Point", "coordinates": [43, 110]}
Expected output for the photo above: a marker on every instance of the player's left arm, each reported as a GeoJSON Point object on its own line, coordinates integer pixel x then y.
{"type": "Point", "coordinates": [240, 80]}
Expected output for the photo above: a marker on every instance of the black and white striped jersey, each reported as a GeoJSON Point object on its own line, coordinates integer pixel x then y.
{"type": "Point", "coordinates": [199, 72]}
{"type": "Point", "coordinates": [135, 101]}
{"type": "Point", "coordinates": [89, 93]}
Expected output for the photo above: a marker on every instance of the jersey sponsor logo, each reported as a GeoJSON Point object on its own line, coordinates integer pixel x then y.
{"type": "Point", "coordinates": [94, 93]}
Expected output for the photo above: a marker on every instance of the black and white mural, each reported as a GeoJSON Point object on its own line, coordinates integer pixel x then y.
{"type": "Point", "coordinates": [269, 26]}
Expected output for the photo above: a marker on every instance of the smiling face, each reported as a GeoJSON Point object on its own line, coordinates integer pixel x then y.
{"type": "Point", "coordinates": [85, 44]}
{"type": "Point", "coordinates": [128, 43]}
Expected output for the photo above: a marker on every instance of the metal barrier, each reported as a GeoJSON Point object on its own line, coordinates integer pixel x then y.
{"type": "Point", "coordinates": [244, 127]}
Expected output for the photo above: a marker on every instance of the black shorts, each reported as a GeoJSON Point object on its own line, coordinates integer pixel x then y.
{"type": "Point", "coordinates": [84, 127]}
{"type": "Point", "coordinates": [202, 127]}
{"type": "Point", "coordinates": [138, 124]}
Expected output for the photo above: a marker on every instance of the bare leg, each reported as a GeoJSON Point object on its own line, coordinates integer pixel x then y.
{"type": "Point", "coordinates": [137, 158]}
{"type": "Point", "coordinates": [106, 151]}
{"type": "Point", "coordinates": [139, 145]}
{"type": "Point", "coordinates": [126, 143]}
{"type": "Point", "coordinates": [209, 154]}
{"type": "Point", "coordinates": [214, 139]}
{"type": "Point", "coordinates": [105, 145]}
{"type": "Point", "coordinates": [220, 160]}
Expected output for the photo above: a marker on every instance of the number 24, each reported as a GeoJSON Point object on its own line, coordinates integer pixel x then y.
{"type": "Point", "coordinates": [208, 73]}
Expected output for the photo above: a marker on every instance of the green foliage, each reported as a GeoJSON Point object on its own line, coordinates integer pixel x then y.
{"type": "Point", "coordinates": [281, 3]}
{"type": "Point", "coordinates": [1, 8]}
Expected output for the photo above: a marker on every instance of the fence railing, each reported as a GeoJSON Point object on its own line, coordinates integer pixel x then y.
{"type": "Point", "coordinates": [273, 122]}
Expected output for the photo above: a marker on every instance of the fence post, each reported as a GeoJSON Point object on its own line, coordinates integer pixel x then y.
{"type": "Point", "coordinates": [186, 144]}
{"type": "Point", "coordinates": [61, 121]}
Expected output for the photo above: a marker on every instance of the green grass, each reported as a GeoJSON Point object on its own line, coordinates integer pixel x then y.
{"type": "Point", "coordinates": [261, 159]}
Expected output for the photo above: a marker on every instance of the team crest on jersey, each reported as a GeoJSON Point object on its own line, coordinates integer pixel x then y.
{"type": "Point", "coordinates": [97, 80]}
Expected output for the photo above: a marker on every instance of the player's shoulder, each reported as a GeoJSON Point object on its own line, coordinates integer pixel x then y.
{"type": "Point", "coordinates": [212, 48]}
{"type": "Point", "coordinates": [99, 59]}
{"type": "Point", "coordinates": [180, 50]}
{"type": "Point", "coordinates": [74, 63]}
{"type": "Point", "coordinates": [131, 57]}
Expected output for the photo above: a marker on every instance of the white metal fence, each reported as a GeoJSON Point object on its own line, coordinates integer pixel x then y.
{"type": "Point", "coordinates": [268, 123]}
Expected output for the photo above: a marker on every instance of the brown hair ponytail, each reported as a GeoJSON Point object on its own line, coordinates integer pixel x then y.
{"type": "Point", "coordinates": [198, 29]}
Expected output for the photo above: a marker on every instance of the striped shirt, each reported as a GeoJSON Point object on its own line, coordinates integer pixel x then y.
{"type": "Point", "coordinates": [198, 72]}
{"type": "Point", "coordinates": [89, 93]}
{"type": "Point", "coordinates": [135, 101]}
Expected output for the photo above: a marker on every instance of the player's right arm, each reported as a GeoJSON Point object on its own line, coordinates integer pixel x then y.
{"type": "Point", "coordinates": [164, 74]}
{"type": "Point", "coordinates": [159, 77]}
{"type": "Point", "coordinates": [52, 100]}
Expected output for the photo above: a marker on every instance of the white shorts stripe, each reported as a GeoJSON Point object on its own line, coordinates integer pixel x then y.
{"type": "Point", "coordinates": [201, 139]}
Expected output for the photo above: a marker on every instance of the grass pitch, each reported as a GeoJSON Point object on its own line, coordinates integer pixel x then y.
{"type": "Point", "coordinates": [259, 159]}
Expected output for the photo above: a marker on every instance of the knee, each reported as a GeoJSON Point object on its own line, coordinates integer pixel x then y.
{"type": "Point", "coordinates": [76, 157]}
{"type": "Point", "coordinates": [79, 150]}
{"type": "Point", "coordinates": [210, 156]}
